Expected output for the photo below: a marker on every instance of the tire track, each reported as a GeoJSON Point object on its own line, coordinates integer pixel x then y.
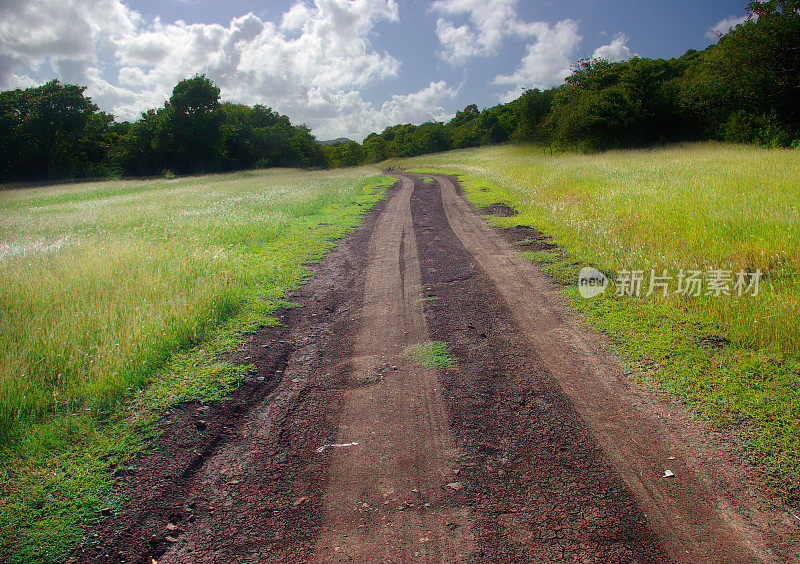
{"type": "Point", "coordinates": [384, 499]}
{"type": "Point", "coordinates": [693, 522]}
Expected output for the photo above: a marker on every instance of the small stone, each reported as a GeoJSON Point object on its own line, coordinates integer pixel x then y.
{"type": "Point", "coordinates": [170, 539]}
{"type": "Point", "coordinates": [668, 474]}
{"type": "Point", "coordinates": [171, 526]}
{"type": "Point", "coordinates": [201, 424]}
{"type": "Point", "coordinates": [300, 501]}
{"type": "Point", "coordinates": [455, 486]}
{"type": "Point", "coordinates": [105, 512]}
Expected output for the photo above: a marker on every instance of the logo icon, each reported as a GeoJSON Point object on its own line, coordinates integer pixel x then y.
{"type": "Point", "coordinates": [591, 282]}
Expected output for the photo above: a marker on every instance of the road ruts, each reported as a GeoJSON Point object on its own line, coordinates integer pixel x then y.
{"type": "Point", "coordinates": [384, 500]}
{"type": "Point", "coordinates": [693, 523]}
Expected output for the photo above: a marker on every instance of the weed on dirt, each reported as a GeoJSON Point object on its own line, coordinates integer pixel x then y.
{"type": "Point", "coordinates": [434, 354]}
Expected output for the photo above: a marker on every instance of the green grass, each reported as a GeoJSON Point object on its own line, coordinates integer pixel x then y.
{"type": "Point", "coordinates": [117, 300]}
{"type": "Point", "coordinates": [434, 354]}
{"type": "Point", "coordinates": [696, 206]}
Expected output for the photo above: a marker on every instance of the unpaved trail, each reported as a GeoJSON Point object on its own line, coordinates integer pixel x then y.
{"type": "Point", "coordinates": [339, 449]}
{"type": "Point", "coordinates": [384, 499]}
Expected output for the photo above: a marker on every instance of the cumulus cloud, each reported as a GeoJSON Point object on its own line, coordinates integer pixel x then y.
{"type": "Point", "coordinates": [724, 26]}
{"type": "Point", "coordinates": [615, 51]}
{"type": "Point", "coordinates": [547, 61]}
{"type": "Point", "coordinates": [548, 53]}
{"type": "Point", "coordinates": [490, 21]}
{"type": "Point", "coordinates": [310, 65]}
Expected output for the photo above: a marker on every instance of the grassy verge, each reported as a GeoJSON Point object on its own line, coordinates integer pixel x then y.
{"type": "Point", "coordinates": [693, 207]}
{"type": "Point", "coordinates": [117, 300]}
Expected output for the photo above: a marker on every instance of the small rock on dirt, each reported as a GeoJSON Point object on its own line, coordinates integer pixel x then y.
{"type": "Point", "coordinates": [455, 486]}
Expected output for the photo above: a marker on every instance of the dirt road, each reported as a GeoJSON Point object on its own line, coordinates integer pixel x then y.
{"type": "Point", "coordinates": [533, 448]}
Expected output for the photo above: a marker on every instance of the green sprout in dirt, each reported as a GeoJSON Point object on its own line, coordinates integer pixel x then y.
{"type": "Point", "coordinates": [433, 354]}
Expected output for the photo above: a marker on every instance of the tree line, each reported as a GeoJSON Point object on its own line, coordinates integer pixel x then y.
{"type": "Point", "coordinates": [55, 132]}
{"type": "Point", "coordinates": [743, 89]}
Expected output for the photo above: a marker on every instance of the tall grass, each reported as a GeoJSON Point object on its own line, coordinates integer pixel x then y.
{"type": "Point", "coordinates": [692, 207]}
{"type": "Point", "coordinates": [702, 207]}
{"type": "Point", "coordinates": [116, 300]}
{"type": "Point", "coordinates": [100, 283]}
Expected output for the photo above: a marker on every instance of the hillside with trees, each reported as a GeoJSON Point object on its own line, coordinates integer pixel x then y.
{"type": "Point", "coordinates": [743, 89]}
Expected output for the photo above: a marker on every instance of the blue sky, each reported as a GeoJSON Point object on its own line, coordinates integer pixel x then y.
{"type": "Point", "coordinates": [344, 67]}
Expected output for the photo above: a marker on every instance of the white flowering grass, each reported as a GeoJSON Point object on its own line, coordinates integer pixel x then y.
{"type": "Point", "coordinates": [100, 283]}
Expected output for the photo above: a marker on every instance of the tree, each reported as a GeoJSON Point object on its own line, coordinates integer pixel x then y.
{"type": "Point", "coordinates": [51, 131]}
{"type": "Point", "coordinates": [193, 126]}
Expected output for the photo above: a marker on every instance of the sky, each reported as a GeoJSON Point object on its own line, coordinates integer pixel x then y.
{"type": "Point", "coordinates": [345, 68]}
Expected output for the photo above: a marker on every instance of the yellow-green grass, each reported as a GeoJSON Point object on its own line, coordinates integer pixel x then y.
{"type": "Point", "coordinates": [691, 207]}
{"type": "Point", "coordinates": [117, 300]}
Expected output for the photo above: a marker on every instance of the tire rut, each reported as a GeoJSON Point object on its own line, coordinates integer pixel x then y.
{"type": "Point", "coordinates": [541, 488]}
{"type": "Point", "coordinates": [384, 499]}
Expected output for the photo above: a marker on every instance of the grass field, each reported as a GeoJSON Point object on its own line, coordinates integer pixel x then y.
{"type": "Point", "coordinates": [117, 300]}
{"type": "Point", "coordinates": [698, 207]}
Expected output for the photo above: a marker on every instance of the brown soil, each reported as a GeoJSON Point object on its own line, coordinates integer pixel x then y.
{"type": "Point", "coordinates": [500, 209]}
{"type": "Point", "coordinates": [533, 448]}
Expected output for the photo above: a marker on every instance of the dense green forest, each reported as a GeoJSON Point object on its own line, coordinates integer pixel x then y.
{"type": "Point", "coordinates": [745, 89]}
{"type": "Point", "coordinates": [55, 132]}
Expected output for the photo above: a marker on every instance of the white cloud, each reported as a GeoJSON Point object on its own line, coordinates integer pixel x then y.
{"type": "Point", "coordinates": [490, 21]}
{"type": "Point", "coordinates": [615, 51]}
{"type": "Point", "coordinates": [418, 106]}
{"type": "Point", "coordinates": [310, 65]}
{"type": "Point", "coordinates": [724, 26]}
{"type": "Point", "coordinates": [547, 61]}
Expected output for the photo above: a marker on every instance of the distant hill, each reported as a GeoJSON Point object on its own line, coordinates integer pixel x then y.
{"type": "Point", "coordinates": [334, 141]}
